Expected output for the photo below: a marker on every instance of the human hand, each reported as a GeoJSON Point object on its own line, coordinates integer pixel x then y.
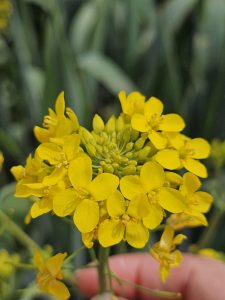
{"type": "Point", "coordinates": [197, 278]}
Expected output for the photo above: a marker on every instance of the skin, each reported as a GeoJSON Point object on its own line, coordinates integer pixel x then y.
{"type": "Point", "coordinates": [196, 278]}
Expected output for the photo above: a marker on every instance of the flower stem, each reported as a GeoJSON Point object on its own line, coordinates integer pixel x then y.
{"type": "Point", "coordinates": [17, 232]}
{"type": "Point", "coordinates": [102, 269]}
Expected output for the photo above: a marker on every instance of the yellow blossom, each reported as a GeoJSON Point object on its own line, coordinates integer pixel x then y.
{"type": "Point", "coordinates": [57, 124]}
{"type": "Point", "coordinates": [185, 153]}
{"type": "Point", "coordinates": [155, 197]}
{"type": "Point", "coordinates": [7, 263]}
{"type": "Point", "coordinates": [5, 12]}
{"type": "Point", "coordinates": [212, 253]}
{"type": "Point", "coordinates": [155, 124]}
{"type": "Point", "coordinates": [165, 251]}
{"type": "Point", "coordinates": [1, 160]}
{"type": "Point", "coordinates": [131, 104]}
{"type": "Point", "coordinates": [124, 223]}
{"type": "Point", "coordinates": [197, 203]}
{"type": "Point", "coordinates": [82, 199]}
{"type": "Point", "coordinates": [49, 275]}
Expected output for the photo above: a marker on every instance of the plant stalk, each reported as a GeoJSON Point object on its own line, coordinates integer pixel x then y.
{"type": "Point", "coordinates": [103, 269]}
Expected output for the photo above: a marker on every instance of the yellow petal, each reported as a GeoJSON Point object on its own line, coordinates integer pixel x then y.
{"type": "Point", "coordinates": [191, 182]}
{"type": "Point", "coordinates": [116, 204]}
{"type": "Point", "coordinates": [166, 239]}
{"type": "Point", "coordinates": [195, 167]}
{"type": "Point", "coordinates": [139, 123]}
{"type": "Point", "coordinates": [157, 139]}
{"type": "Point", "coordinates": [171, 200]}
{"type": "Point", "coordinates": [58, 289]}
{"type": "Point", "coordinates": [200, 147]}
{"type": "Point", "coordinates": [41, 134]}
{"type": "Point", "coordinates": [131, 186]}
{"type": "Point", "coordinates": [86, 216]}
{"type": "Point", "coordinates": [138, 207]}
{"type": "Point", "coordinates": [154, 217]}
{"type": "Point", "coordinates": [110, 232]}
{"type": "Point", "coordinates": [204, 201]}
{"type": "Point", "coordinates": [60, 104]}
{"type": "Point", "coordinates": [171, 122]}
{"type": "Point", "coordinates": [169, 159]}
{"type": "Point", "coordinates": [136, 235]}
{"type": "Point", "coordinates": [71, 146]}
{"type": "Point", "coordinates": [41, 207]}
{"type": "Point", "coordinates": [153, 107]}
{"type": "Point", "coordinates": [164, 272]}
{"type": "Point", "coordinates": [133, 103]}
{"type": "Point", "coordinates": [173, 179]}
{"type": "Point", "coordinates": [80, 171]}
{"type": "Point", "coordinates": [179, 238]}
{"type": "Point", "coordinates": [152, 176]}
{"type": "Point", "coordinates": [54, 263]}
{"type": "Point", "coordinates": [98, 124]}
{"type": "Point", "coordinates": [38, 261]}
{"type": "Point", "coordinates": [57, 175]}
{"type": "Point", "coordinates": [50, 152]}
{"type": "Point", "coordinates": [65, 202]}
{"type": "Point", "coordinates": [103, 185]}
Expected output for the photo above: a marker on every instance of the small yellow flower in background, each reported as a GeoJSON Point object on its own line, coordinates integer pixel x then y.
{"type": "Point", "coordinates": [185, 154]}
{"type": "Point", "coordinates": [7, 262]}
{"type": "Point", "coordinates": [154, 123]}
{"type": "Point", "coordinates": [165, 251]}
{"type": "Point", "coordinates": [212, 253]}
{"type": "Point", "coordinates": [57, 124]}
{"type": "Point", "coordinates": [49, 275]}
{"type": "Point", "coordinates": [155, 197]}
{"type": "Point", "coordinates": [218, 153]}
{"type": "Point", "coordinates": [1, 160]}
{"type": "Point", "coordinates": [5, 12]}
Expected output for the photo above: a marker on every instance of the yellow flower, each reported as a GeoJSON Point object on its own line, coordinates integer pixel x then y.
{"type": "Point", "coordinates": [33, 172]}
{"type": "Point", "coordinates": [6, 262]}
{"type": "Point", "coordinates": [5, 12]}
{"type": "Point", "coordinates": [83, 198]}
{"type": "Point", "coordinates": [155, 197]}
{"type": "Point", "coordinates": [155, 124]}
{"type": "Point", "coordinates": [49, 275]}
{"type": "Point", "coordinates": [165, 251]}
{"type": "Point", "coordinates": [125, 223]}
{"type": "Point", "coordinates": [57, 124]}
{"type": "Point", "coordinates": [197, 203]}
{"type": "Point", "coordinates": [59, 156]}
{"type": "Point", "coordinates": [1, 160]}
{"type": "Point", "coordinates": [212, 253]}
{"type": "Point", "coordinates": [185, 154]}
{"type": "Point", "coordinates": [131, 104]}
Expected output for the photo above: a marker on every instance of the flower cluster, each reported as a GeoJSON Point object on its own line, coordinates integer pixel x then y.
{"type": "Point", "coordinates": [120, 180]}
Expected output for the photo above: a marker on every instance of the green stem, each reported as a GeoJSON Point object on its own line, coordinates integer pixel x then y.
{"type": "Point", "coordinates": [102, 269]}
{"type": "Point", "coordinates": [17, 232]}
{"type": "Point", "coordinates": [209, 232]}
{"type": "Point", "coordinates": [74, 254]}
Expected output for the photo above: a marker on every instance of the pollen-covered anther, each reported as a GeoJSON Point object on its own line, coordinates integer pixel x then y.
{"type": "Point", "coordinates": [125, 219]}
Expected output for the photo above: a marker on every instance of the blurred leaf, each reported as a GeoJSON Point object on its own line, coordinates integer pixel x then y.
{"type": "Point", "coordinates": [83, 25]}
{"type": "Point", "coordinates": [106, 71]}
{"type": "Point", "coordinates": [4, 52]}
{"type": "Point", "coordinates": [45, 5]}
{"type": "Point", "coordinates": [173, 15]}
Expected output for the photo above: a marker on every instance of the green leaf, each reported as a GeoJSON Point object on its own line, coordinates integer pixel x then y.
{"type": "Point", "coordinates": [174, 13]}
{"type": "Point", "coordinates": [106, 71]}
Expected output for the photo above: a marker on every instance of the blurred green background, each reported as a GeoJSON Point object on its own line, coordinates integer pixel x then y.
{"type": "Point", "coordinates": [91, 49]}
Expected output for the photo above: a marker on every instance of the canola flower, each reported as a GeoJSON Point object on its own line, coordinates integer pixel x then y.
{"type": "Point", "coordinates": [120, 180]}
{"type": "Point", "coordinates": [5, 12]}
{"type": "Point", "coordinates": [49, 275]}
